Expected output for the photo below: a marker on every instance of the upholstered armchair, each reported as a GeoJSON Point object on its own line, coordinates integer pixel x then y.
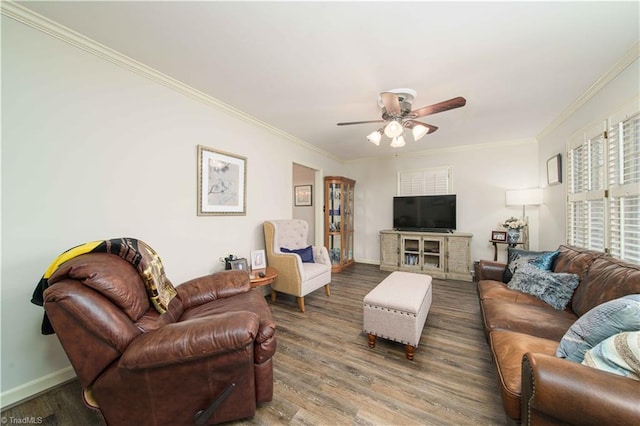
{"type": "Point", "coordinates": [207, 359]}
{"type": "Point", "coordinates": [295, 277]}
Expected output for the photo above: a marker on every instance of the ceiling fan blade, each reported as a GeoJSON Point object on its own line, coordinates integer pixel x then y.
{"type": "Point", "coordinates": [391, 103]}
{"type": "Point", "coordinates": [409, 124]}
{"type": "Point", "coordinates": [360, 122]}
{"type": "Point", "coordinates": [439, 107]}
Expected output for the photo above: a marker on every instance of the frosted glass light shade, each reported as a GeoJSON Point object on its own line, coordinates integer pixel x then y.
{"type": "Point", "coordinates": [393, 129]}
{"type": "Point", "coordinates": [419, 131]}
{"type": "Point", "coordinates": [397, 142]}
{"type": "Point", "coordinates": [375, 137]}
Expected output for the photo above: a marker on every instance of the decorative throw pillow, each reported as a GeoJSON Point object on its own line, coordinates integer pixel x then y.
{"type": "Point", "coordinates": [619, 354]}
{"type": "Point", "coordinates": [553, 288]}
{"type": "Point", "coordinates": [516, 258]}
{"type": "Point", "coordinates": [306, 254]}
{"type": "Point", "coordinates": [600, 323]}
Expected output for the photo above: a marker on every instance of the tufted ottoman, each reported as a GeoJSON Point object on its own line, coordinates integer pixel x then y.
{"type": "Point", "coordinates": [397, 308]}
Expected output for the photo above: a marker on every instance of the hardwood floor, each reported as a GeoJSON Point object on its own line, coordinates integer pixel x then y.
{"type": "Point", "coordinates": [325, 373]}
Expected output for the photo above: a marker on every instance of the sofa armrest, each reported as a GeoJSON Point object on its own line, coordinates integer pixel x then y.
{"type": "Point", "coordinates": [555, 390]}
{"type": "Point", "coordinates": [490, 270]}
{"type": "Point", "coordinates": [191, 340]}
{"type": "Point", "coordinates": [219, 285]}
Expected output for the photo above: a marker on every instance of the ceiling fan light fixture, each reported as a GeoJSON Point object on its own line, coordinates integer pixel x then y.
{"type": "Point", "coordinates": [375, 137]}
{"type": "Point", "coordinates": [419, 131]}
{"type": "Point", "coordinates": [398, 142]}
{"type": "Point", "coordinates": [393, 129]}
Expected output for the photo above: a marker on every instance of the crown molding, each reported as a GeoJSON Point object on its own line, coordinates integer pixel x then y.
{"type": "Point", "coordinates": [34, 20]}
{"type": "Point", "coordinates": [630, 57]}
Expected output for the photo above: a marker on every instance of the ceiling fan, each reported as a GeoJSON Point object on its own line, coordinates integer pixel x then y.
{"type": "Point", "coordinates": [397, 113]}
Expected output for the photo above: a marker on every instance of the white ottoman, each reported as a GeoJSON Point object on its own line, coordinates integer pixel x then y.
{"type": "Point", "coordinates": [397, 308]}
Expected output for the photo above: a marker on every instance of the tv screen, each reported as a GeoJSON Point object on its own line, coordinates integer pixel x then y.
{"type": "Point", "coordinates": [425, 213]}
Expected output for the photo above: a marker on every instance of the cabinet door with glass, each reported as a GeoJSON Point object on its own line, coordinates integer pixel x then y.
{"type": "Point", "coordinates": [339, 194]}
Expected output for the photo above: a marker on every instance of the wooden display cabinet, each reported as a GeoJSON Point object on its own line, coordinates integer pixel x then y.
{"type": "Point", "coordinates": [338, 220]}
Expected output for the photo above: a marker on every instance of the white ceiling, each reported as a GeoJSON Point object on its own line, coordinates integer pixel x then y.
{"type": "Point", "coordinates": [304, 66]}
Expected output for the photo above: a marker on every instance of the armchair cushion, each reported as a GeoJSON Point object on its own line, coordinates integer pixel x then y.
{"type": "Point", "coordinates": [306, 254]}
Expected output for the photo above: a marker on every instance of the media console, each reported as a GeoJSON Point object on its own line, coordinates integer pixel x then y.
{"type": "Point", "coordinates": [443, 256]}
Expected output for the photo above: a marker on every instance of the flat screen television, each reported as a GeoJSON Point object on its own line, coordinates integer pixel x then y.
{"type": "Point", "coordinates": [429, 213]}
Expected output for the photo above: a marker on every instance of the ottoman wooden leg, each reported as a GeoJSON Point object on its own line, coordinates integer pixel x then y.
{"type": "Point", "coordinates": [372, 340]}
{"type": "Point", "coordinates": [410, 351]}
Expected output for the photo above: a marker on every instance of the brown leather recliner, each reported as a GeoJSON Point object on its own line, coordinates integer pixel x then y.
{"type": "Point", "coordinates": [206, 360]}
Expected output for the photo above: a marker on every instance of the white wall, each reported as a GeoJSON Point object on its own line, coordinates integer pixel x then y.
{"type": "Point", "coordinates": [91, 150]}
{"type": "Point", "coordinates": [306, 176]}
{"type": "Point", "coordinates": [481, 175]}
{"type": "Point", "coordinates": [621, 91]}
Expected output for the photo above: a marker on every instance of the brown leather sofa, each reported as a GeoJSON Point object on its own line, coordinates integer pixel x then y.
{"type": "Point", "coordinates": [523, 333]}
{"type": "Point", "coordinates": [206, 360]}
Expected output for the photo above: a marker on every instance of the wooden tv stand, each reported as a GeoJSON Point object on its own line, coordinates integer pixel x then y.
{"type": "Point", "coordinates": [441, 255]}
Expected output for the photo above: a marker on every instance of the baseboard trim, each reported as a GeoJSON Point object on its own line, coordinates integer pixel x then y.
{"type": "Point", "coordinates": [35, 387]}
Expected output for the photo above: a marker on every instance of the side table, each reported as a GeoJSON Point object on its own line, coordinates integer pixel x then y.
{"type": "Point", "coordinates": [495, 247]}
{"type": "Point", "coordinates": [270, 275]}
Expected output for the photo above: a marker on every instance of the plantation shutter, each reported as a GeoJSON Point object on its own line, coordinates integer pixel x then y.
{"type": "Point", "coordinates": [435, 181]}
{"type": "Point", "coordinates": [624, 177]}
{"type": "Point", "coordinates": [586, 206]}
{"type": "Point", "coordinates": [603, 186]}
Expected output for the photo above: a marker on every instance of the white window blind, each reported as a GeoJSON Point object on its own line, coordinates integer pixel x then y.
{"type": "Point", "coordinates": [603, 181]}
{"type": "Point", "coordinates": [433, 181]}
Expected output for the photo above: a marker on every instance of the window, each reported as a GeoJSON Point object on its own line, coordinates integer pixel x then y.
{"type": "Point", "coordinates": [603, 182]}
{"type": "Point", "coordinates": [434, 181]}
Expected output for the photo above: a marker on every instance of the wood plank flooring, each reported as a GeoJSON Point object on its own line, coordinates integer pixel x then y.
{"type": "Point", "coordinates": [325, 373]}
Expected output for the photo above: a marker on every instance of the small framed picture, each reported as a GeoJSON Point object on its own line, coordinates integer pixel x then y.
{"type": "Point", "coordinates": [258, 261]}
{"type": "Point", "coordinates": [303, 195]}
{"type": "Point", "coordinates": [554, 170]}
{"type": "Point", "coordinates": [498, 236]}
{"type": "Point", "coordinates": [240, 264]}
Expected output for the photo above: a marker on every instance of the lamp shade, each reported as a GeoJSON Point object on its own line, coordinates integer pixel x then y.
{"type": "Point", "coordinates": [397, 142]}
{"type": "Point", "coordinates": [419, 131]}
{"type": "Point", "coordinates": [375, 137]}
{"type": "Point", "coordinates": [523, 197]}
{"type": "Point", "coordinates": [393, 129]}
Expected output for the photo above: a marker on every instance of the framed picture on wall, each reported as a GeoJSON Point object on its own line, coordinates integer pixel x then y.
{"type": "Point", "coordinates": [554, 170]}
{"type": "Point", "coordinates": [222, 187]}
{"type": "Point", "coordinates": [302, 195]}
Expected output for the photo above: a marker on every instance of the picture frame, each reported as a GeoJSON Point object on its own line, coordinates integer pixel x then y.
{"type": "Point", "coordinates": [499, 236]}
{"type": "Point", "coordinates": [240, 264]}
{"type": "Point", "coordinates": [303, 195]}
{"type": "Point", "coordinates": [554, 170]}
{"type": "Point", "coordinates": [222, 183]}
{"type": "Point", "coordinates": [258, 260]}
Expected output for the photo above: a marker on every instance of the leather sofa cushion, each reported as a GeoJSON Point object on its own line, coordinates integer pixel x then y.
{"type": "Point", "coordinates": [537, 321]}
{"type": "Point", "coordinates": [113, 277]}
{"type": "Point", "coordinates": [607, 279]}
{"type": "Point", "coordinates": [508, 348]}
{"type": "Point", "coordinates": [497, 290]}
{"type": "Point", "coordinates": [573, 260]}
